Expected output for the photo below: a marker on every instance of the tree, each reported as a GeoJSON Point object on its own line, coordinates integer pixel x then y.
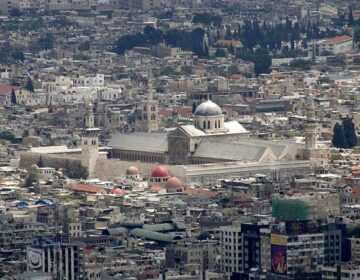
{"type": "Point", "coordinates": [262, 62]}
{"type": "Point", "coordinates": [29, 85]}
{"type": "Point", "coordinates": [32, 177]}
{"type": "Point", "coordinates": [85, 46]}
{"type": "Point", "coordinates": [323, 80]}
{"type": "Point", "coordinates": [74, 170]}
{"type": "Point", "coordinates": [193, 107]}
{"type": "Point", "coordinates": [13, 97]}
{"type": "Point", "coordinates": [46, 42]}
{"type": "Point", "coordinates": [338, 139]}
{"type": "Point", "coordinates": [15, 12]}
{"type": "Point", "coordinates": [220, 52]}
{"type": "Point", "coordinates": [301, 64]}
{"type": "Point", "coordinates": [349, 132]}
{"type": "Point", "coordinates": [357, 36]}
{"type": "Point", "coordinates": [40, 162]}
{"type": "Point", "coordinates": [18, 55]}
{"type": "Point", "coordinates": [351, 17]}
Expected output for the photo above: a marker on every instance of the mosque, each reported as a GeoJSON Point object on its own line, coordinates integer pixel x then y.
{"type": "Point", "coordinates": [209, 149]}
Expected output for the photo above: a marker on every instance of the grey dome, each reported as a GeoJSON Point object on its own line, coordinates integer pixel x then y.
{"type": "Point", "coordinates": [208, 108]}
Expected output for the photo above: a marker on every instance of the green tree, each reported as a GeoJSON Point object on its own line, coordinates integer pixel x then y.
{"type": "Point", "coordinates": [351, 17]}
{"type": "Point", "coordinates": [18, 55]}
{"type": "Point", "coordinates": [32, 177]}
{"type": "Point", "coordinates": [13, 97]}
{"type": "Point", "coordinates": [15, 12]}
{"type": "Point", "coordinates": [301, 64]}
{"type": "Point", "coordinates": [349, 132]}
{"type": "Point", "coordinates": [357, 35]}
{"type": "Point", "coordinates": [262, 62]}
{"type": "Point", "coordinates": [85, 46]}
{"type": "Point", "coordinates": [193, 107]}
{"type": "Point", "coordinates": [29, 85]}
{"type": "Point", "coordinates": [40, 162]}
{"type": "Point", "coordinates": [46, 41]}
{"type": "Point", "coordinates": [338, 139]}
{"type": "Point", "coordinates": [220, 52]}
{"type": "Point", "coordinates": [323, 80]}
{"type": "Point", "coordinates": [74, 170]}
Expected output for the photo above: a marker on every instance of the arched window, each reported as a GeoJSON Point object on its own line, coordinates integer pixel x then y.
{"type": "Point", "coordinates": [153, 117]}
{"type": "Point", "coordinates": [215, 124]}
{"type": "Point", "coordinates": [219, 124]}
{"type": "Point", "coordinates": [209, 125]}
{"type": "Point", "coordinates": [145, 117]}
{"type": "Point", "coordinates": [153, 108]}
{"type": "Point", "coordinates": [144, 108]}
{"type": "Point", "coordinates": [204, 124]}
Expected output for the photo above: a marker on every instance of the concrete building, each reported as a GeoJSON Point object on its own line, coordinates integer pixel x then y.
{"type": "Point", "coordinates": [343, 272]}
{"type": "Point", "coordinates": [144, 5]}
{"type": "Point", "coordinates": [336, 45]}
{"type": "Point", "coordinates": [201, 254]}
{"type": "Point", "coordinates": [241, 248]}
{"type": "Point", "coordinates": [56, 255]}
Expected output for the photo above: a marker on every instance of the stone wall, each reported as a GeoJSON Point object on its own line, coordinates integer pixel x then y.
{"type": "Point", "coordinates": [49, 160]}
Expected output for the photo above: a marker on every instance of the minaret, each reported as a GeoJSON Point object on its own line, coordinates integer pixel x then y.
{"type": "Point", "coordinates": [90, 142]}
{"type": "Point", "coordinates": [310, 127]}
{"type": "Point", "coordinates": [147, 119]}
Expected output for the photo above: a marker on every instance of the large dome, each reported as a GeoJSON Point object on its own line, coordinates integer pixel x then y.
{"type": "Point", "coordinates": [132, 171]}
{"type": "Point", "coordinates": [174, 183]}
{"type": "Point", "coordinates": [159, 171]}
{"type": "Point", "coordinates": [208, 108]}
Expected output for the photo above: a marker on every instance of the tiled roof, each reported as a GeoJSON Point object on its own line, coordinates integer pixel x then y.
{"type": "Point", "coordinates": [86, 188]}
{"type": "Point", "coordinates": [340, 39]}
{"type": "Point", "coordinates": [6, 89]}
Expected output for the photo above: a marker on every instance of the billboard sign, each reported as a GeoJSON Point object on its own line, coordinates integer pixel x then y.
{"type": "Point", "coordinates": [278, 254]}
{"type": "Point", "coordinates": [278, 259]}
{"type": "Point", "coordinates": [302, 227]}
{"type": "Point", "coordinates": [278, 239]}
{"type": "Point", "coordinates": [35, 260]}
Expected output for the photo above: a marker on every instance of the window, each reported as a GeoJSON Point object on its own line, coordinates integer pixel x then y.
{"type": "Point", "coordinates": [209, 125]}
{"type": "Point", "coordinates": [204, 124]}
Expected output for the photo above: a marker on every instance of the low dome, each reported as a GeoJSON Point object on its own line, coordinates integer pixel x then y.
{"type": "Point", "coordinates": [132, 171]}
{"type": "Point", "coordinates": [34, 166]}
{"type": "Point", "coordinates": [174, 183]}
{"type": "Point", "coordinates": [118, 192]}
{"type": "Point", "coordinates": [208, 108]}
{"type": "Point", "coordinates": [159, 171]}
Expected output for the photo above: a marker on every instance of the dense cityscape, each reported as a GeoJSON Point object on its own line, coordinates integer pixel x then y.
{"type": "Point", "coordinates": [179, 140]}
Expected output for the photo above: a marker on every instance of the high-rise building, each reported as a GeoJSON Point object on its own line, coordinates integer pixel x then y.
{"type": "Point", "coordinates": [241, 248]}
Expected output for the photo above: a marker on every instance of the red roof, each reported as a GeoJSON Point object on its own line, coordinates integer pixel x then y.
{"type": "Point", "coordinates": [118, 192]}
{"type": "Point", "coordinates": [6, 89]}
{"type": "Point", "coordinates": [86, 188]}
{"type": "Point", "coordinates": [159, 171]}
{"type": "Point", "coordinates": [340, 39]}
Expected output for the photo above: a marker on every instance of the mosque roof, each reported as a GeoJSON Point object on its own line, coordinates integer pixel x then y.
{"type": "Point", "coordinates": [159, 171]}
{"type": "Point", "coordinates": [208, 108]}
{"type": "Point", "coordinates": [147, 142]}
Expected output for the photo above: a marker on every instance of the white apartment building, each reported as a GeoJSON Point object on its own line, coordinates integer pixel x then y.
{"type": "Point", "coordinates": [344, 272]}
{"type": "Point", "coordinates": [336, 45]}
{"type": "Point", "coordinates": [231, 249]}
{"type": "Point", "coordinates": [305, 251]}
{"type": "Point", "coordinates": [355, 250]}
